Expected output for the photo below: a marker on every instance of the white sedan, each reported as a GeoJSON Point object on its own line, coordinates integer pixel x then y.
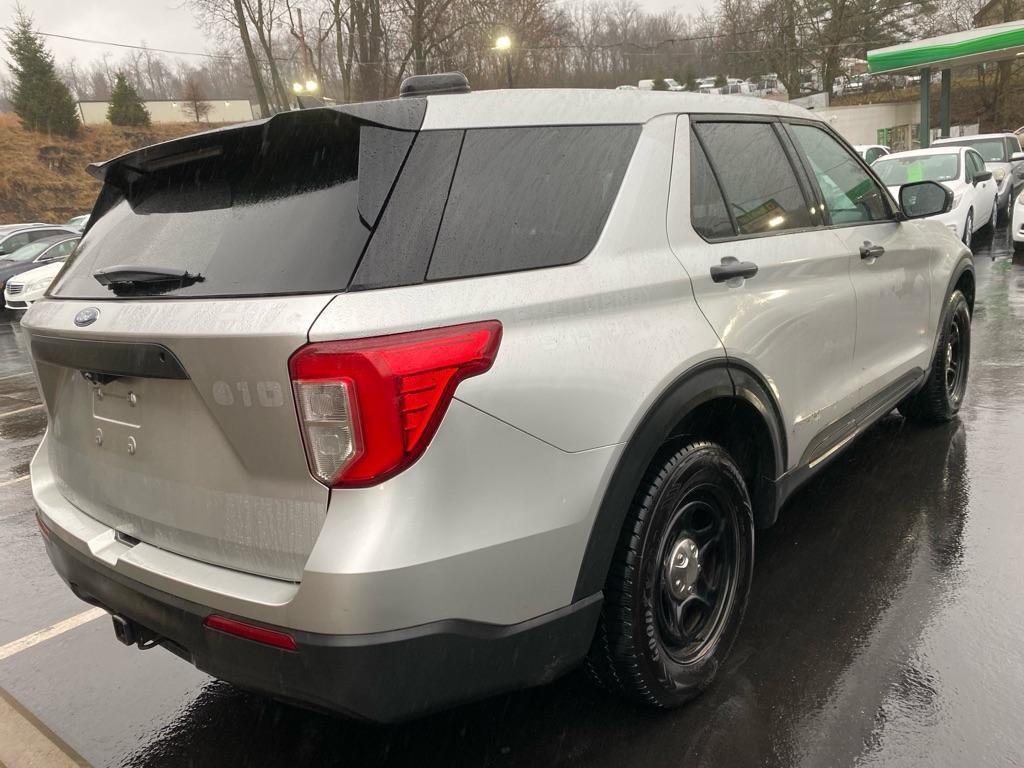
{"type": "Point", "coordinates": [959, 168]}
{"type": "Point", "coordinates": [23, 289]}
{"type": "Point", "coordinates": [1017, 224]}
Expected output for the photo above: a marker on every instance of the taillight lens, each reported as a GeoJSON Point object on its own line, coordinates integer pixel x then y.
{"type": "Point", "coordinates": [369, 407]}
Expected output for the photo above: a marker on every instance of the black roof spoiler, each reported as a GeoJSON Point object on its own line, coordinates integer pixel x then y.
{"type": "Point", "coordinates": [401, 114]}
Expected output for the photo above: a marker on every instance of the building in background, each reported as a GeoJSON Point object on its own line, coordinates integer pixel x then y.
{"type": "Point", "coordinates": [220, 111]}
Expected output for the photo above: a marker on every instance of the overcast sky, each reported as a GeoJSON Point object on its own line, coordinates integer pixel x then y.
{"type": "Point", "coordinates": [160, 23]}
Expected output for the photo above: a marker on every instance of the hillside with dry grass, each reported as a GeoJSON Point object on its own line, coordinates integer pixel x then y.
{"type": "Point", "coordinates": [43, 178]}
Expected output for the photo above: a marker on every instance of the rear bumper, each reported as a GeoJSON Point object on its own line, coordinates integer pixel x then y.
{"type": "Point", "coordinates": [381, 677]}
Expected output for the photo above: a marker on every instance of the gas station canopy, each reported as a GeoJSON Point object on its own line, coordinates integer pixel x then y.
{"type": "Point", "coordinates": [996, 42]}
{"type": "Point", "coordinates": [973, 46]}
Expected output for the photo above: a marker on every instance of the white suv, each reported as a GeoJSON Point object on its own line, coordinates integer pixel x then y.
{"type": "Point", "coordinates": [383, 407]}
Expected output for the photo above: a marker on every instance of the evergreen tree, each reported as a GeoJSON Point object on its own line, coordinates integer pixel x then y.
{"type": "Point", "coordinates": [40, 99]}
{"type": "Point", "coordinates": [126, 108]}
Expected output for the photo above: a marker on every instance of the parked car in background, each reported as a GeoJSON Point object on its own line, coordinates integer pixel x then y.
{"type": "Point", "coordinates": [871, 152]}
{"type": "Point", "coordinates": [962, 170]}
{"type": "Point", "coordinates": [78, 222]}
{"type": "Point", "coordinates": [40, 252]}
{"type": "Point", "coordinates": [1002, 155]}
{"type": "Point", "coordinates": [667, 83]}
{"type": "Point", "coordinates": [22, 290]}
{"type": "Point", "coordinates": [1017, 223]}
{"type": "Point", "coordinates": [528, 420]}
{"type": "Point", "coordinates": [14, 236]}
{"type": "Point", "coordinates": [737, 87]}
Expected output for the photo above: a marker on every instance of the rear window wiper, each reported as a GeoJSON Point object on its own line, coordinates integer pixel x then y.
{"type": "Point", "coordinates": [146, 280]}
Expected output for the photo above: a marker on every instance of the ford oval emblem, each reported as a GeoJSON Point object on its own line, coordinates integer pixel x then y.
{"type": "Point", "coordinates": [86, 317]}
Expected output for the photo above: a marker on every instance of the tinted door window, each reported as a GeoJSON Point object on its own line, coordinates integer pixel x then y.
{"type": "Point", "coordinates": [529, 197]}
{"type": "Point", "coordinates": [873, 154]}
{"type": "Point", "coordinates": [848, 191]}
{"type": "Point", "coordinates": [708, 214]}
{"type": "Point", "coordinates": [759, 184]}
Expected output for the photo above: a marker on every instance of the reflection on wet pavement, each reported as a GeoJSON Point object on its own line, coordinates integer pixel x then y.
{"type": "Point", "coordinates": [884, 627]}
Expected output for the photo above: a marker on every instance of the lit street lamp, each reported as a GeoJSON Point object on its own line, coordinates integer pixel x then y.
{"type": "Point", "coordinates": [503, 45]}
{"type": "Point", "coordinates": [308, 89]}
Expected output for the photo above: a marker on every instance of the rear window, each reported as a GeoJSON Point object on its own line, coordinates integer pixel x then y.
{"type": "Point", "coordinates": [993, 150]}
{"type": "Point", "coordinates": [894, 171]}
{"type": "Point", "coordinates": [326, 203]}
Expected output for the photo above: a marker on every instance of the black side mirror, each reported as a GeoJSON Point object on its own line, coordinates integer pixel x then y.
{"type": "Point", "coordinates": [925, 198]}
{"type": "Point", "coordinates": [983, 176]}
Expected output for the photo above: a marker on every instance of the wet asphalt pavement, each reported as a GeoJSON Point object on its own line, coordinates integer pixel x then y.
{"type": "Point", "coordinates": [885, 627]}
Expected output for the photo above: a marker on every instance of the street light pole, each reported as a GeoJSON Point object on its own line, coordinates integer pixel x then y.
{"type": "Point", "coordinates": [503, 45]}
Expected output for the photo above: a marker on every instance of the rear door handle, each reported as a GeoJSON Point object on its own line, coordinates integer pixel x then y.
{"type": "Point", "coordinates": [870, 251]}
{"type": "Point", "coordinates": [732, 267]}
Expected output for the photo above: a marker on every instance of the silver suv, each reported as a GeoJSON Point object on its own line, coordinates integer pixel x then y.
{"type": "Point", "coordinates": [1003, 156]}
{"type": "Point", "coordinates": [384, 407]}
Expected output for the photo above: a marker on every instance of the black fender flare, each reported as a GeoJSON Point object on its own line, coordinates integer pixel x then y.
{"type": "Point", "coordinates": [965, 264]}
{"type": "Point", "coordinates": [704, 382]}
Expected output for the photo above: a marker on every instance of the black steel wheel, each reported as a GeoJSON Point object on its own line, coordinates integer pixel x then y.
{"type": "Point", "coordinates": [956, 357]}
{"type": "Point", "coordinates": [943, 392]}
{"type": "Point", "coordinates": [677, 587]}
{"type": "Point", "coordinates": [697, 582]}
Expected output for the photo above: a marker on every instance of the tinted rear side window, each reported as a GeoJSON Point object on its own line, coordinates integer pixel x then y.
{"type": "Point", "coordinates": [756, 176]}
{"type": "Point", "coordinates": [530, 197]}
{"type": "Point", "coordinates": [708, 213]}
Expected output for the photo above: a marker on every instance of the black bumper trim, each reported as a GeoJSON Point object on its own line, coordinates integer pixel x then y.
{"type": "Point", "coordinates": [382, 677]}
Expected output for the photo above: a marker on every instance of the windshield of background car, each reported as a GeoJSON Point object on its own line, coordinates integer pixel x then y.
{"type": "Point", "coordinates": [341, 205]}
{"type": "Point", "coordinates": [27, 252]}
{"type": "Point", "coordinates": [992, 150]}
{"type": "Point", "coordinates": [895, 171]}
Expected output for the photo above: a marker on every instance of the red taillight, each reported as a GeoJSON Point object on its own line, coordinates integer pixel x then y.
{"type": "Point", "coordinates": [250, 632]}
{"type": "Point", "coordinates": [42, 526]}
{"type": "Point", "coordinates": [369, 407]}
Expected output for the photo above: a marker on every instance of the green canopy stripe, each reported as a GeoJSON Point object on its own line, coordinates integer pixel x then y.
{"type": "Point", "coordinates": [931, 51]}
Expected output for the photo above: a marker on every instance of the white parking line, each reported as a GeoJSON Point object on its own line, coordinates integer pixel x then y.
{"type": "Point", "coordinates": [21, 410]}
{"type": "Point", "coordinates": [5, 483]}
{"type": "Point", "coordinates": [28, 641]}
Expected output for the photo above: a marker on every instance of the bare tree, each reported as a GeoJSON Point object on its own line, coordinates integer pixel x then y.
{"type": "Point", "coordinates": [194, 100]}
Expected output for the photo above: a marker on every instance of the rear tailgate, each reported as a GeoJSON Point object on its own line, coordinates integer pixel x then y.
{"type": "Point", "coordinates": [208, 463]}
{"type": "Point", "coordinates": [162, 348]}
